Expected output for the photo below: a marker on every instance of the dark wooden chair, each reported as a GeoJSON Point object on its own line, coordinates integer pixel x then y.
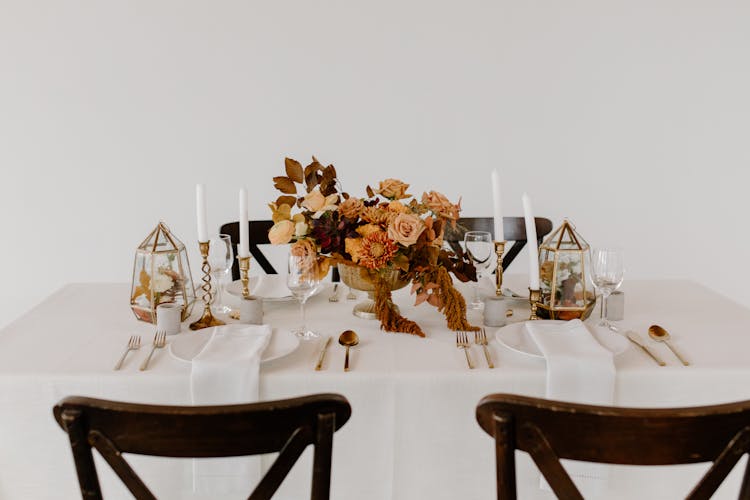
{"type": "Point", "coordinates": [551, 430]}
{"type": "Point", "coordinates": [513, 227]}
{"type": "Point", "coordinates": [286, 426]}
{"type": "Point", "coordinates": [257, 235]}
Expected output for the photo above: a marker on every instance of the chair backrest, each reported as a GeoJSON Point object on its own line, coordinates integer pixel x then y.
{"type": "Point", "coordinates": [286, 426]}
{"type": "Point", "coordinates": [514, 229]}
{"type": "Point", "coordinates": [551, 430]}
{"type": "Point", "coordinates": [257, 235]}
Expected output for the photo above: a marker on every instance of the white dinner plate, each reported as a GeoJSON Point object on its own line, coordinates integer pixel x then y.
{"type": "Point", "coordinates": [515, 337]}
{"type": "Point", "coordinates": [270, 287]}
{"type": "Point", "coordinates": [186, 346]}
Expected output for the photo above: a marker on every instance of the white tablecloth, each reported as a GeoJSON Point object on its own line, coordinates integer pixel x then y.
{"type": "Point", "coordinates": [412, 434]}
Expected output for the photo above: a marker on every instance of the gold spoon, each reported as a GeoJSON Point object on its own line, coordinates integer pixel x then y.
{"type": "Point", "coordinates": [661, 335]}
{"type": "Point", "coordinates": [348, 339]}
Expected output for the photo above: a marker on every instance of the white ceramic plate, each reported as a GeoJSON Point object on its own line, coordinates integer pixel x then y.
{"type": "Point", "coordinates": [186, 346]}
{"type": "Point", "coordinates": [271, 287]}
{"type": "Point", "coordinates": [515, 337]}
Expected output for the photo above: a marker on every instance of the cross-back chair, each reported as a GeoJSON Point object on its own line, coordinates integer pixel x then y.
{"type": "Point", "coordinates": [551, 430]}
{"type": "Point", "coordinates": [257, 235]}
{"type": "Point", "coordinates": [287, 426]}
{"type": "Point", "coordinates": [513, 227]}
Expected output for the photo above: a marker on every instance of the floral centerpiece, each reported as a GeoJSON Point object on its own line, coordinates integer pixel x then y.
{"type": "Point", "coordinates": [385, 233]}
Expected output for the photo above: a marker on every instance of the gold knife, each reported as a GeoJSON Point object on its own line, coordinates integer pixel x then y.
{"type": "Point", "coordinates": [638, 340]}
{"type": "Point", "coordinates": [323, 354]}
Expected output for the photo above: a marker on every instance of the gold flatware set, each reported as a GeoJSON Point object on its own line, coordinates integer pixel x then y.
{"type": "Point", "coordinates": [480, 339]}
{"type": "Point", "coordinates": [134, 343]}
{"type": "Point", "coordinates": [348, 339]}
{"type": "Point", "coordinates": [658, 334]}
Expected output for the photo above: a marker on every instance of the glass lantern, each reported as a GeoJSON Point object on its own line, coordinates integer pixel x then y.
{"type": "Point", "coordinates": [567, 292]}
{"type": "Point", "coordinates": [161, 275]}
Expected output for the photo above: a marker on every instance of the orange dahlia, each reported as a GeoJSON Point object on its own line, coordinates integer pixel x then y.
{"type": "Point", "coordinates": [377, 250]}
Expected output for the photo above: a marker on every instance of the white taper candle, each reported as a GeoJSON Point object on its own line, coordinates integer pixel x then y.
{"type": "Point", "coordinates": [528, 215]}
{"type": "Point", "coordinates": [244, 250]}
{"type": "Point", "coordinates": [497, 207]}
{"type": "Point", "coordinates": [200, 205]}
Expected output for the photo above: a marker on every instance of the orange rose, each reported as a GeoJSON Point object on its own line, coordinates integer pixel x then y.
{"type": "Point", "coordinates": [397, 206]}
{"type": "Point", "coordinates": [353, 247]}
{"type": "Point", "coordinates": [440, 205]}
{"type": "Point", "coordinates": [405, 229]}
{"type": "Point", "coordinates": [281, 232]}
{"type": "Point", "coordinates": [368, 229]}
{"type": "Point", "coordinates": [393, 189]}
{"type": "Point", "coordinates": [351, 207]}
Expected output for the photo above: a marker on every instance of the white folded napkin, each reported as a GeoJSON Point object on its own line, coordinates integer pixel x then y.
{"type": "Point", "coordinates": [271, 286]}
{"type": "Point", "coordinates": [579, 370]}
{"type": "Point", "coordinates": [226, 371]}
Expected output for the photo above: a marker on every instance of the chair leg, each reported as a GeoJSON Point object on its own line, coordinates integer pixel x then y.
{"type": "Point", "coordinates": [505, 457]}
{"type": "Point", "coordinates": [745, 489]}
{"type": "Point", "coordinates": [82, 455]}
{"type": "Point", "coordinates": [321, 484]}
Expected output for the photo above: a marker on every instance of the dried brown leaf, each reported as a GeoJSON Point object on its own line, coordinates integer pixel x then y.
{"type": "Point", "coordinates": [294, 170]}
{"type": "Point", "coordinates": [370, 192]}
{"type": "Point", "coordinates": [311, 176]}
{"type": "Point", "coordinates": [286, 200]}
{"type": "Point", "coordinates": [285, 185]}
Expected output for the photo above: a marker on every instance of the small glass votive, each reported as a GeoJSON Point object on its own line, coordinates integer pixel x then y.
{"type": "Point", "coordinates": [616, 306]}
{"type": "Point", "coordinates": [251, 310]}
{"type": "Point", "coordinates": [495, 309]}
{"type": "Point", "coordinates": [168, 317]}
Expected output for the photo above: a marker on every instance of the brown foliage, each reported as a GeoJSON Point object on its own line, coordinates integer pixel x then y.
{"type": "Point", "coordinates": [390, 320]}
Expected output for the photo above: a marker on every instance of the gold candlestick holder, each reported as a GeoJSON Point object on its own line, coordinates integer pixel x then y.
{"type": "Point", "coordinates": [534, 297]}
{"type": "Point", "coordinates": [208, 318]}
{"type": "Point", "coordinates": [244, 268]}
{"type": "Point", "coordinates": [499, 251]}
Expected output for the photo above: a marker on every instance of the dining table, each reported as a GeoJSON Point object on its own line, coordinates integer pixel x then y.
{"type": "Point", "coordinates": [413, 432]}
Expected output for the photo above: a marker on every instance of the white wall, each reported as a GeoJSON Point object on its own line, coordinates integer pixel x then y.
{"type": "Point", "coordinates": [632, 117]}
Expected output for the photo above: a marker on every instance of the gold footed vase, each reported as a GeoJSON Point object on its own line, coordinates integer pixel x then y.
{"type": "Point", "coordinates": [361, 279]}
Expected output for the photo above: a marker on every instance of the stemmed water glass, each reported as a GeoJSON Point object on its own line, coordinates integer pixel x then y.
{"type": "Point", "coordinates": [479, 247]}
{"type": "Point", "coordinates": [220, 258]}
{"type": "Point", "coordinates": [303, 281]}
{"type": "Point", "coordinates": [607, 272]}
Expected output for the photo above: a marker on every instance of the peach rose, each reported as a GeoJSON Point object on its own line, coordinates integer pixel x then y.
{"type": "Point", "coordinates": [281, 232]}
{"type": "Point", "coordinates": [314, 201]}
{"type": "Point", "coordinates": [304, 248]}
{"type": "Point", "coordinates": [440, 205]}
{"type": "Point", "coordinates": [307, 249]}
{"type": "Point", "coordinates": [405, 229]}
{"type": "Point", "coordinates": [351, 207]}
{"type": "Point", "coordinates": [393, 189]}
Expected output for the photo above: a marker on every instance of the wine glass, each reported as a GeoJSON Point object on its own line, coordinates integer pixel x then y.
{"type": "Point", "coordinates": [479, 247]}
{"type": "Point", "coordinates": [607, 272]}
{"type": "Point", "coordinates": [303, 281]}
{"type": "Point", "coordinates": [220, 258]}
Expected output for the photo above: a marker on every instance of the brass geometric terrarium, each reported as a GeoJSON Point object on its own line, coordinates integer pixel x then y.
{"type": "Point", "coordinates": [161, 274]}
{"type": "Point", "coordinates": [566, 290]}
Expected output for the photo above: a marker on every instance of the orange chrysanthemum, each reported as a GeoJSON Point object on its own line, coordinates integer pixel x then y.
{"type": "Point", "coordinates": [377, 250]}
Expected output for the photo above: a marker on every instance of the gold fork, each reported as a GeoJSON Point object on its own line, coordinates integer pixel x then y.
{"type": "Point", "coordinates": [133, 344]}
{"type": "Point", "coordinates": [160, 340]}
{"type": "Point", "coordinates": [462, 342]}
{"type": "Point", "coordinates": [480, 338]}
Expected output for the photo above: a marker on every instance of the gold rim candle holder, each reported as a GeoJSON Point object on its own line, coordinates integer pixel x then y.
{"type": "Point", "coordinates": [244, 279]}
{"type": "Point", "coordinates": [499, 251]}
{"type": "Point", "coordinates": [208, 318]}
{"type": "Point", "coordinates": [534, 297]}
